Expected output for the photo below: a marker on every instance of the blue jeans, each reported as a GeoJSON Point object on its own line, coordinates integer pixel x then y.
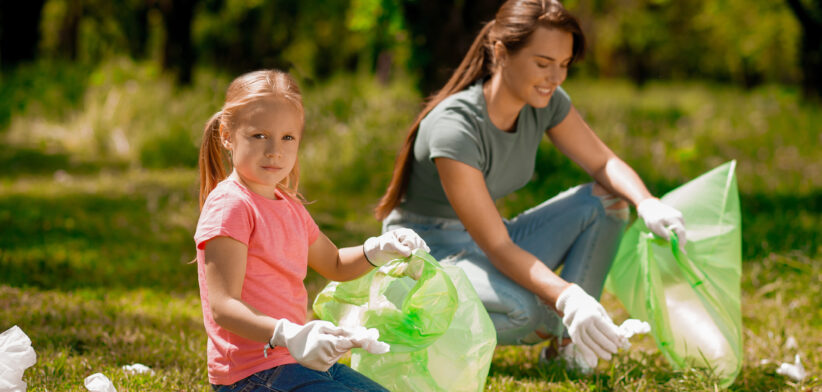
{"type": "Point", "coordinates": [297, 378]}
{"type": "Point", "coordinates": [573, 230]}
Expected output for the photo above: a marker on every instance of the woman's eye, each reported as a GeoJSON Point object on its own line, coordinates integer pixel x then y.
{"type": "Point", "coordinates": [542, 65]}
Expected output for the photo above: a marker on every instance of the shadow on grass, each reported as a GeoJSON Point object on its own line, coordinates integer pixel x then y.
{"type": "Point", "coordinates": [77, 240]}
{"type": "Point", "coordinates": [18, 162]}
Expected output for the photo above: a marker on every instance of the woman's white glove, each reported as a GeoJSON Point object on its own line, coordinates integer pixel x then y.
{"type": "Point", "coordinates": [661, 219]}
{"type": "Point", "coordinates": [316, 345]}
{"type": "Point", "coordinates": [591, 329]}
{"type": "Point", "coordinates": [394, 244]}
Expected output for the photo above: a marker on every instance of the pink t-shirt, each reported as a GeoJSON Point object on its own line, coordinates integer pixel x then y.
{"type": "Point", "coordinates": [277, 233]}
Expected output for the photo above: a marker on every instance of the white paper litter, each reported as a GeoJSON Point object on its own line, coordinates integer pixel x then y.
{"type": "Point", "coordinates": [137, 368]}
{"type": "Point", "coordinates": [627, 329]}
{"type": "Point", "coordinates": [794, 371]}
{"type": "Point", "coordinates": [98, 382]}
{"type": "Point", "coordinates": [16, 355]}
{"type": "Point", "coordinates": [367, 339]}
{"type": "Point", "coordinates": [791, 343]}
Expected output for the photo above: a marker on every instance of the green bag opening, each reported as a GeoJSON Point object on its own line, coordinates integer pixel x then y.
{"type": "Point", "coordinates": [441, 336]}
{"type": "Point", "coordinates": [692, 300]}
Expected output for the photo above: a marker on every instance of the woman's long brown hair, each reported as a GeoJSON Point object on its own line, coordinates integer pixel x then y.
{"type": "Point", "coordinates": [513, 24]}
{"type": "Point", "coordinates": [246, 88]}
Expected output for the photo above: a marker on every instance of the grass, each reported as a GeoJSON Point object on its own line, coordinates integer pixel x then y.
{"type": "Point", "coordinates": [95, 241]}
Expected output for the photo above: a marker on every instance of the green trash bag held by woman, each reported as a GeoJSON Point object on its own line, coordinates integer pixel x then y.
{"type": "Point", "coordinates": [692, 299]}
{"type": "Point", "coordinates": [441, 336]}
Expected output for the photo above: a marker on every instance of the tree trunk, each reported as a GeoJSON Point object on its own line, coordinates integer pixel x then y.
{"type": "Point", "coordinates": [69, 30]}
{"type": "Point", "coordinates": [178, 55]}
{"type": "Point", "coordinates": [19, 30]}
{"type": "Point", "coordinates": [441, 33]}
{"type": "Point", "coordinates": [811, 57]}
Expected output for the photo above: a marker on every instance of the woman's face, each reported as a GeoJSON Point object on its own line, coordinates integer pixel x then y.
{"type": "Point", "coordinates": [533, 73]}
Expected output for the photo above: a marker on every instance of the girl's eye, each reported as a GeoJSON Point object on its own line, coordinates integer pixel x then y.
{"type": "Point", "coordinates": [258, 136]}
{"type": "Point", "coordinates": [288, 137]}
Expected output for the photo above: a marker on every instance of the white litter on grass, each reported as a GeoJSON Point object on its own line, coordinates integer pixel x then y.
{"type": "Point", "coordinates": [137, 368]}
{"type": "Point", "coordinates": [16, 355]}
{"type": "Point", "coordinates": [794, 371]}
{"type": "Point", "coordinates": [791, 343]}
{"type": "Point", "coordinates": [631, 327]}
{"type": "Point", "coordinates": [98, 382]}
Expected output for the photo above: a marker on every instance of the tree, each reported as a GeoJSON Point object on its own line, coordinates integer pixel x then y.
{"type": "Point", "coordinates": [19, 30]}
{"type": "Point", "coordinates": [441, 33]}
{"type": "Point", "coordinates": [178, 55]}
{"type": "Point", "coordinates": [810, 18]}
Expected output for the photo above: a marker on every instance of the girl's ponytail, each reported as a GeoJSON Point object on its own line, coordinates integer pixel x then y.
{"type": "Point", "coordinates": [475, 64]}
{"type": "Point", "coordinates": [212, 158]}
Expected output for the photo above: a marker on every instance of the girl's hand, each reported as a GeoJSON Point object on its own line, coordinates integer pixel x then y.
{"type": "Point", "coordinates": [316, 345]}
{"type": "Point", "coordinates": [392, 245]}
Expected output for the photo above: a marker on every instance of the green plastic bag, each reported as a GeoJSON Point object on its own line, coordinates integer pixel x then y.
{"type": "Point", "coordinates": [692, 301]}
{"type": "Point", "coordinates": [441, 336]}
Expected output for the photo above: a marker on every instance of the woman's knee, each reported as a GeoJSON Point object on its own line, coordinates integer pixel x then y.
{"type": "Point", "coordinates": [614, 205]}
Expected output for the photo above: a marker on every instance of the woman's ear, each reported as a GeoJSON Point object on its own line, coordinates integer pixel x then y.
{"type": "Point", "coordinates": [500, 54]}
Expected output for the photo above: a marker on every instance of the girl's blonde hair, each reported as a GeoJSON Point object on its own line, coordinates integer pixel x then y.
{"type": "Point", "coordinates": [214, 159]}
{"type": "Point", "coordinates": [513, 25]}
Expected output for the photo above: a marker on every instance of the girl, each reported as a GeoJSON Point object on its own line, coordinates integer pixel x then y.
{"type": "Point", "coordinates": [476, 140]}
{"type": "Point", "coordinates": [255, 241]}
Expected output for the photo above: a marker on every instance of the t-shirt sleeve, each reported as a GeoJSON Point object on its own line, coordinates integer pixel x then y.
{"type": "Point", "coordinates": [310, 225]}
{"type": "Point", "coordinates": [224, 216]}
{"type": "Point", "coordinates": [557, 109]}
{"type": "Point", "coordinates": [451, 135]}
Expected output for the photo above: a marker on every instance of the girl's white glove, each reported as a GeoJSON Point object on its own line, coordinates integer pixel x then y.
{"type": "Point", "coordinates": [591, 329]}
{"type": "Point", "coordinates": [316, 345]}
{"type": "Point", "coordinates": [394, 244]}
{"type": "Point", "coordinates": [661, 219]}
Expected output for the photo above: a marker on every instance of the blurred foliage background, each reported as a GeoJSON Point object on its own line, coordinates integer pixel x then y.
{"type": "Point", "coordinates": [102, 107]}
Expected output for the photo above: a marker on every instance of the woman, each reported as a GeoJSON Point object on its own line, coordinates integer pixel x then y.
{"type": "Point", "coordinates": [476, 140]}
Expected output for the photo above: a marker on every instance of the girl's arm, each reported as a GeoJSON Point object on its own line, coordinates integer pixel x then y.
{"type": "Point", "coordinates": [465, 189]}
{"type": "Point", "coordinates": [337, 264]}
{"type": "Point", "coordinates": [225, 264]}
{"type": "Point", "coordinates": [574, 138]}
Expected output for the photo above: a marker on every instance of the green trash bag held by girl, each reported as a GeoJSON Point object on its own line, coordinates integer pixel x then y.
{"type": "Point", "coordinates": [692, 299]}
{"type": "Point", "coordinates": [441, 336]}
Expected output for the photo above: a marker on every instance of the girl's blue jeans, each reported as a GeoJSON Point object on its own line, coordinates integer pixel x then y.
{"type": "Point", "coordinates": [297, 378]}
{"type": "Point", "coordinates": [574, 230]}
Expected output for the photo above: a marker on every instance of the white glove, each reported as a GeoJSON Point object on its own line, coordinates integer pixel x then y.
{"type": "Point", "coordinates": [316, 345]}
{"type": "Point", "coordinates": [392, 245]}
{"type": "Point", "coordinates": [661, 219]}
{"type": "Point", "coordinates": [589, 326]}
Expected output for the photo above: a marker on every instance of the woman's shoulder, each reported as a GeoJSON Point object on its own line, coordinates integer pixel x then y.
{"type": "Point", "coordinates": [466, 103]}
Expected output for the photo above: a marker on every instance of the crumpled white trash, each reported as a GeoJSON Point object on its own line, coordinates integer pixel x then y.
{"type": "Point", "coordinates": [137, 368]}
{"type": "Point", "coordinates": [793, 371]}
{"type": "Point", "coordinates": [16, 355]}
{"type": "Point", "coordinates": [98, 382]}
{"type": "Point", "coordinates": [626, 330]}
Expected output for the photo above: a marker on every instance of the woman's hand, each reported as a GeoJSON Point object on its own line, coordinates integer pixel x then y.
{"type": "Point", "coordinates": [661, 219]}
{"type": "Point", "coordinates": [591, 329]}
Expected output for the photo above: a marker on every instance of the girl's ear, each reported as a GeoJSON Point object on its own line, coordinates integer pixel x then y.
{"type": "Point", "coordinates": [225, 137]}
{"type": "Point", "coordinates": [500, 54]}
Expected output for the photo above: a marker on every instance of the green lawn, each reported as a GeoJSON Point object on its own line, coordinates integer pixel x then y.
{"type": "Point", "coordinates": [95, 239]}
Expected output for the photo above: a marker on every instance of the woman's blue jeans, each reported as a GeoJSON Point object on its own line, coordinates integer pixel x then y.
{"type": "Point", "coordinates": [574, 230]}
{"type": "Point", "coordinates": [297, 378]}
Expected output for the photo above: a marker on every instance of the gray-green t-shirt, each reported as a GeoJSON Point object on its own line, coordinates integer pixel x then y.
{"type": "Point", "coordinates": [459, 128]}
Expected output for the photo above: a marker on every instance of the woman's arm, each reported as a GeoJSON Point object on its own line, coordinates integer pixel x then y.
{"type": "Point", "coordinates": [225, 264]}
{"type": "Point", "coordinates": [337, 264]}
{"type": "Point", "coordinates": [465, 188]}
{"type": "Point", "coordinates": [574, 138]}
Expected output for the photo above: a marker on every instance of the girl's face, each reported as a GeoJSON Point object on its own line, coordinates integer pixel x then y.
{"type": "Point", "coordinates": [263, 141]}
{"type": "Point", "coordinates": [533, 73]}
